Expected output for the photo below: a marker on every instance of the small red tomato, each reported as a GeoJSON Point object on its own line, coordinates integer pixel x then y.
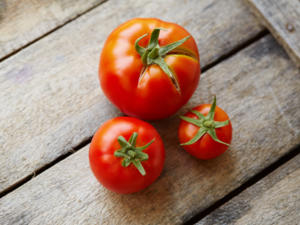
{"type": "Point", "coordinates": [149, 68]}
{"type": "Point", "coordinates": [206, 131]}
{"type": "Point", "coordinates": [126, 155]}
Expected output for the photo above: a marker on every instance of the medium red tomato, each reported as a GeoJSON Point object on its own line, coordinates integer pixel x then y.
{"type": "Point", "coordinates": [149, 68]}
{"type": "Point", "coordinates": [126, 155]}
{"type": "Point", "coordinates": [206, 131]}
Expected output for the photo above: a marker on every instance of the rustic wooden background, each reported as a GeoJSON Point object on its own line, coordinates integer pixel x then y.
{"type": "Point", "coordinates": [51, 105]}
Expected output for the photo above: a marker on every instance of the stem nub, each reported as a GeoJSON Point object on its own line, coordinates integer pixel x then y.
{"type": "Point", "coordinates": [154, 54]}
{"type": "Point", "coordinates": [132, 154]}
{"type": "Point", "coordinates": [206, 124]}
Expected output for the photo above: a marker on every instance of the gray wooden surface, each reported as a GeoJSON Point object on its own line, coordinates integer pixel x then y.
{"type": "Point", "coordinates": [282, 17]}
{"type": "Point", "coordinates": [273, 200]}
{"type": "Point", "coordinates": [258, 87]}
{"type": "Point", "coordinates": [21, 22]}
{"type": "Point", "coordinates": [50, 96]}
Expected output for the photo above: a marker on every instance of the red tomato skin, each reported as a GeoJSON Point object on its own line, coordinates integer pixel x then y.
{"type": "Point", "coordinates": [205, 148]}
{"type": "Point", "coordinates": [107, 168]}
{"type": "Point", "coordinates": [154, 96]}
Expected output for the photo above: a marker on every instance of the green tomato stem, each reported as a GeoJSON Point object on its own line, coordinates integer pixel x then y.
{"type": "Point", "coordinates": [206, 124]}
{"type": "Point", "coordinates": [154, 53]}
{"type": "Point", "coordinates": [132, 154]}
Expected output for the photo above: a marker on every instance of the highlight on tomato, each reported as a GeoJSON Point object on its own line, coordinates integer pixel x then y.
{"type": "Point", "coordinates": [205, 131]}
{"type": "Point", "coordinates": [149, 68]}
{"type": "Point", "coordinates": [126, 155]}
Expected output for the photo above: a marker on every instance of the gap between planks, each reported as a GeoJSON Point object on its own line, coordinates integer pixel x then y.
{"type": "Point", "coordinates": [85, 142]}
{"type": "Point", "coordinates": [235, 50]}
{"type": "Point", "coordinates": [282, 19]}
{"type": "Point", "coordinates": [49, 32]}
{"type": "Point", "coordinates": [253, 180]}
{"type": "Point", "coordinates": [45, 167]}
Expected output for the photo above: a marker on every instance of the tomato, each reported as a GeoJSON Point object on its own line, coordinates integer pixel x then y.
{"type": "Point", "coordinates": [206, 131]}
{"type": "Point", "coordinates": [149, 68]}
{"type": "Point", "coordinates": [126, 155]}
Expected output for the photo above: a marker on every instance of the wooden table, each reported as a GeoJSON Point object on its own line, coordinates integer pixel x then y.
{"type": "Point", "coordinates": [51, 105]}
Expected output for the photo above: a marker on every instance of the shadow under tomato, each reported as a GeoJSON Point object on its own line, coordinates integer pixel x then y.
{"type": "Point", "coordinates": [140, 207]}
{"type": "Point", "coordinates": [179, 193]}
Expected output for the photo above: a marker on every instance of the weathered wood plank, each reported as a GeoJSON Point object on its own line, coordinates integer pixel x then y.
{"type": "Point", "coordinates": [247, 87]}
{"type": "Point", "coordinates": [21, 22]}
{"type": "Point", "coordinates": [273, 200]}
{"type": "Point", "coordinates": [50, 96]}
{"type": "Point", "coordinates": [283, 19]}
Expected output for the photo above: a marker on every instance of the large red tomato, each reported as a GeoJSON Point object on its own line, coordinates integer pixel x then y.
{"type": "Point", "coordinates": [126, 155]}
{"type": "Point", "coordinates": [206, 131]}
{"type": "Point", "coordinates": [149, 68]}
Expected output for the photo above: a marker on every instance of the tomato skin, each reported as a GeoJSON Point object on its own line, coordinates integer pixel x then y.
{"type": "Point", "coordinates": [205, 148]}
{"type": "Point", "coordinates": [107, 168]}
{"type": "Point", "coordinates": [154, 96]}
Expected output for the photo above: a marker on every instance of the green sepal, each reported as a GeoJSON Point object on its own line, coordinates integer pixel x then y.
{"type": "Point", "coordinates": [191, 120]}
{"type": "Point", "coordinates": [221, 124]}
{"type": "Point", "coordinates": [138, 48]}
{"type": "Point", "coordinates": [154, 38]}
{"type": "Point", "coordinates": [145, 146]}
{"type": "Point", "coordinates": [120, 154]}
{"type": "Point", "coordinates": [212, 133]}
{"type": "Point", "coordinates": [197, 113]}
{"type": "Point", "coordinates": [139, 166]}
{"type": "Point", "coordinates": [167, 48]}
{"type": "Point", "coordinates": [211, 113]}
{"type": "Point", "coordinates": [132, 139]}
{"type": "Point", "coordinates": [163, 65]}
{"type": "Point", "coordinates": [126, 162]}
{"type": "Point", "coordinates": [143, 156]}
{"type": "Point", "coordinates": [122, 141]}
{"type": "Point", "coordinates": [199, 134]}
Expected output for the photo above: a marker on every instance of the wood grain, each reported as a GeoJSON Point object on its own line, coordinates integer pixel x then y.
{"type": "Point", "coordinates": [255, 87]}
{"type": "Point", "coordinates": [273, 200]}
{"type": "Point", "coordinates": [50, 95]}
{"type": "Point", "coordinates": [21, 22]}
{"type": "Point", "coordinates": [282, 18]}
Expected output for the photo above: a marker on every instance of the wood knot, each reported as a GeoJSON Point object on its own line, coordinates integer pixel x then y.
{"type": "Point", "coordinates": [290, 27]}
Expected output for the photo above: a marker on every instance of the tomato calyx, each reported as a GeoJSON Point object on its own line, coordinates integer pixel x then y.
{"type": "Point", "coordinates": [206, 124]}
{"type": "Point", "coordinates": [154, 54]}
{"type": "Point", "coordinates": [132, 154]}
